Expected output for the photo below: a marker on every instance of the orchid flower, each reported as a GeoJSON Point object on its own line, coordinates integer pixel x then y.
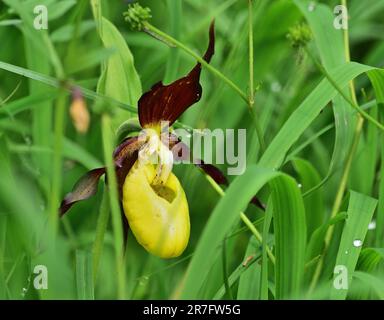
{"type": "Point", "coordinates": [151, 196]}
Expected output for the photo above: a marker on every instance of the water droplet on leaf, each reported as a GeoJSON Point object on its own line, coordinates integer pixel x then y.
{"type": "Point", "coordinates": [276, 86]}
{"type": "Point", "coordinates": [311, 6]}
{"type": "Point", "coordinates": [372, 225]}
{"type": "Point", "coordinates": [357, 243]}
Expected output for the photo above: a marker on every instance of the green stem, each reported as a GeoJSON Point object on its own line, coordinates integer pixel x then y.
{"type": "Point", "coordinates": [225, 271]}
{"type": "Point", "coordinates": [162, 35]}
{"type": "Point", "coordinates": [57, 160]}
{"type": "Point", "coordinates": [114, 205]}
{"type": "Point", "coordinates": [102, 223]}
{"type": "Point", "coordinates": [243, 217]}
{"type": "Point", "coordinates": [251, 95]}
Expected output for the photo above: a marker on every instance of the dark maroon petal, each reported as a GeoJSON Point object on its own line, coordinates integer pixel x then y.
{"type": "Point", "coordinates": [213, 172]}
{"type": "Point", "coordinates": [122, 171]}
{"type": "Point", "coordinates": [258, 203]}
{"type": "Point", "coordinates": [85, 188]}
{"type": "Point", "coordinates": [179, 149]}
{"type": "Point", "coordinates": [124, 156]}
{"type": "Point", "coordinates": [126, 149]}
{"type": "Point", "coordinates": [168, 102]}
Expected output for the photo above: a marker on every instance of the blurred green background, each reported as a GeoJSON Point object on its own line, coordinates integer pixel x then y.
{"type": "Point", "coordinates": [71, 50]}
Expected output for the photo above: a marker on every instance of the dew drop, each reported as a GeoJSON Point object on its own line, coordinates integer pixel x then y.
{"type": "Point", "coordinates": [23, 292]}
{"type": "Point", "coordinates": [276, 86]}
{"type": "Point", "coordinates": [346, 252]}
{"type": "Point", "coordinates": [28, 140]}
{"type": "Point", "coordinates": [357, 243]}
{"type": "Point", "coordinates": [372, 225]}
{"type": "Point", "coordinates": [300, 185]}
{"type": "Point", "coordinates": [311, 6]}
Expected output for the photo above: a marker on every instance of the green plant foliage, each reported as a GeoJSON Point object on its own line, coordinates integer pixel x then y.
{"type": "Point", "coordinates": [309, 94]}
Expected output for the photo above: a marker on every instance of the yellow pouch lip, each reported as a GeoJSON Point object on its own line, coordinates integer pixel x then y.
{"type": "Point", "coordinates": [160, 226]}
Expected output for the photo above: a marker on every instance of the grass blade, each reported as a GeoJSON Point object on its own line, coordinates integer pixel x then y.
{"type": "Point", "coordinates": [290, 236]}
{"type": "Point", "coordinates": [360, 212]}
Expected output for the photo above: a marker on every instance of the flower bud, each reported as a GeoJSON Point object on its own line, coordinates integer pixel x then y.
{"type": "Point", "coordinates": [79, 112]}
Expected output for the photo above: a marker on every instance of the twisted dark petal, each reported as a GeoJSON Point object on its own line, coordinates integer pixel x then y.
{"type": "Point", "coordinates": [168, 102]}
{"type": "Point", "coordinates": [213, 172]}
{"type": "Point", "coordinates": [85, 188]}
{"type": "Point", "coordinates": [124, 156]}
{"type": "Point", "coordinates": [122, 171]}
{"type": "Point", "coordinates": [258, 203]}
{"type": "Point", "coordinates": [126, 149]}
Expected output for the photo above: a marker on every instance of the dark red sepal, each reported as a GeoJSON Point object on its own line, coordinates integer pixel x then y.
{"type": "Point", "coordinates": [85, 188]}
{"type": "Point", "coordinates": [168, 102]}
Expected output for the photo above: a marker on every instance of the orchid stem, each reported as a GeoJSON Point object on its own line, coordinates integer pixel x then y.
{"type": "Point", "coordinates": [168, 39]}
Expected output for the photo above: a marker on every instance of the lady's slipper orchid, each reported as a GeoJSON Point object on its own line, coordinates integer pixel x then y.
{"type": "Point", "coordinates": [151, 196]}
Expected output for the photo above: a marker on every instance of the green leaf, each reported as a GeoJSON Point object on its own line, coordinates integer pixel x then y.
{"type": "Point", "coordinates": [360, 212]}
{"type": "Point", "coordinates": [264, 261]}
{"type": "Point", "coordinates": [249, 284]}
{"type": "Point", "coordinates": [314, 202]}
{"type": "Point", "coordinates": [369, 259]}
{"type": "Point", "coordinates": [290, 237]}
{"type": "Point", "coordinates": [226, 213]}
{"type": "Point", "coordinates": [309, 109]}
{"type": "Point", "coordinates": [320, 21]}
{"type": "Point", "coordinates": [377, 284]}
{"type": "Point", "coordinates": [122, 82]}
{"type": "Point", "coordinates": [246, 271]}
{"type": "Point", "coordinates": [377, 80]}
{"type": "Point", "coordinates": [66, 32]}
{"type": "Point", "coordinates": [84, 275]}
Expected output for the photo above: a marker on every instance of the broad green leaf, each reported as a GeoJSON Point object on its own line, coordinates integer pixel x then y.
{"type": "Point", "coordinates": [314, 202]}
{"type": "Point", "coordinates": [246, 267]}
{"type": "Point", "coordinates": [176, 16]}
{"type": "Point", "coordinates": [309, 109]}
{"type": "Point", "coordinates": [84, 275]}
{"type": "Point", "coordinates": [249, 283]}
{"type": "Point", "coordinates": [360, 212]}
{"type": "Point", "coordinates": [264, 257]}
{"type": "Point", "coordinates": [320, 20]}
{"type": "Point", "coordinates": [121, 82]}
{"type": "Point", "coordinates": [290, 237]}
{"type": "Point", "coordinates": [226, 213]}
{"type": "Point", "coordinates": [377, 80]}
{"type": "Point", "coordinates": [369, 259]}
{"type": "Point", "coordinates": [376, 283]}
{"type": "Point", "coordinates": [66, 32]}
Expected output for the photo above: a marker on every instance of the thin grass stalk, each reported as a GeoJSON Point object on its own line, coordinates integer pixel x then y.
{"type": "Point", "coordinates": [101, 227]}
{"type": "Point", "coordinates": [251, 95]}
{"type": "Point", "coordinates": [114, 205]}
{"type": "Point", "coordinates": [244, 218]}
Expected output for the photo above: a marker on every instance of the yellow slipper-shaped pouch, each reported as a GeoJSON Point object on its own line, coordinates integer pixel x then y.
{"type": "Point", "coordinates": [158, 214]}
